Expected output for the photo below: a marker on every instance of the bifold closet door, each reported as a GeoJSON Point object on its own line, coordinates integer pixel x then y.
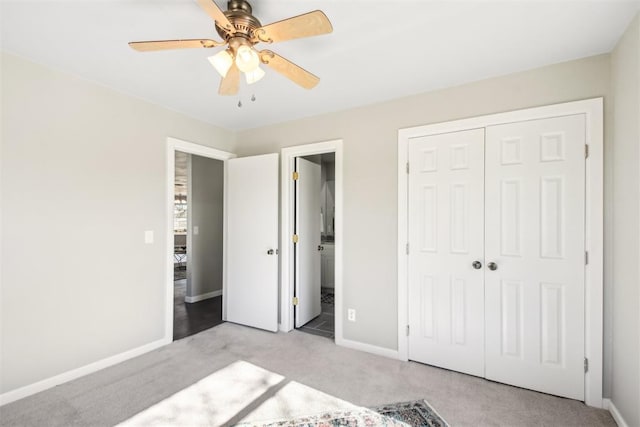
{"type": "Point", "coordinates": [535, 240]}
{"type": "Point", "coordinates": [446, 226]}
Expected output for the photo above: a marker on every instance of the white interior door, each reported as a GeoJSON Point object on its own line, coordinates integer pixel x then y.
{"type": "Point", "coordinates": [307, 250]}
{"type": "Point", "coordinates": [446, 226]}
{"type": "Point", "coordinates": [535, 225]}
{"type": "Point", "coordinates": [251, 287]}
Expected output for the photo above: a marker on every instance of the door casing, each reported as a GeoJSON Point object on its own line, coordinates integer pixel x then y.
{"type": "Point", "coordinates": [593, 111]}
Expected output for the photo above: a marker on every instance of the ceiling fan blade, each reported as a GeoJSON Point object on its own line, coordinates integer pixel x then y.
{"type": "Point", "coordinates": [310, 24]}
{"type": "Point", "coordinates": [288, 69]}
{"type": "Point", "coordinates": [230, 84]}
{"type": "Point", "coordinates": [150, 46]}
{"type": "Point", "coordinates": [216, 14]}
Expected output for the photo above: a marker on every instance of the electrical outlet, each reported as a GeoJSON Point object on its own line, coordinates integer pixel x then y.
{"type": "Point", "coordinates": [351, 315]}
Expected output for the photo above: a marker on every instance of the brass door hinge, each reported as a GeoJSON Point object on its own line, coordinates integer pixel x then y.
{"type": "Point", "coordinates": [586, 151]}
{"type": "Point", "coordinates": [295, 301]}
{"type": "Point", "coordinates": [296, 176]}
{"type": "Point", "coordinates": [295, 238]}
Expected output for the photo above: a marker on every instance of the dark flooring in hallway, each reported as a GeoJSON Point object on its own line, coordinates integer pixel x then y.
{"type": "Point", "coordinates": [191, 318]}
{"type": "Point", "coordinates": [323, 325]}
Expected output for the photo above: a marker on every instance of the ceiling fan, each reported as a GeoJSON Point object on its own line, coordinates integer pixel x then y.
{"type": "Point", "coordinates": [241, 31]}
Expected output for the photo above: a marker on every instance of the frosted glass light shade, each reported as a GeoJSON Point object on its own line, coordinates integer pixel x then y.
{"type": "Point", "coordinates": [247, 59]}
{"type": "Point", "coordinates": [254, 76]}
{"type": "Point", "coordinates": [221, 61]}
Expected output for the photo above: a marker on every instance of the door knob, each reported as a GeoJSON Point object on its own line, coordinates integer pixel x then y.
{"type": "Point", "coordinates": [270, 252]}
{"type": "Point", "coordinates": [492, 266]}
{"type": "Point", "coordinates": [320, 248]}
{"type": "Point", "coordinates": [477, 265]}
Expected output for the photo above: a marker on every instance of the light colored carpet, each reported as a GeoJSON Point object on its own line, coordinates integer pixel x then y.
{"type": "Point", "coordinates": [239, 392]}
{"type": "Point", "coordinates": [231, 373]}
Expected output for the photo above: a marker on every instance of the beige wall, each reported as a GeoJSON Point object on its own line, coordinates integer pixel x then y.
{"type": "Point", "coordinates": [370, 169]}
{"type": "Point", "coordinates": [83, 176]}
{"type": "Point", "coordinates": [206, 197]}
{"type": "Point", "coordinates": [625, 338]}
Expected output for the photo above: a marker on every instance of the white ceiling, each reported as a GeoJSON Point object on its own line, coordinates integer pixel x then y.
{"type": "Point", "coordinates": [379, 50]}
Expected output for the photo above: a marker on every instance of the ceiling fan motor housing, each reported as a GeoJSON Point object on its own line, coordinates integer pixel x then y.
{"type": "Point", "coordinates": [239, 13]}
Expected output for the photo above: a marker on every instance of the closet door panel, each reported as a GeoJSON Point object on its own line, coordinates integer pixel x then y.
{"type": "Point", "coordinates": [535, 207]}
{"type": "Point", "coordinates": [446, 225]}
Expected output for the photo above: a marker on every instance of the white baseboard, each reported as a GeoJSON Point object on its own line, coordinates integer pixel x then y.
{"type": "Point", "coordinates": [617, 417]}
{"type": "Point", "coordinates": [368, 348]}
{"type": "Point", "coordinates": [203, 296]}
{"type": "Point", "coordinates": [28, 390]}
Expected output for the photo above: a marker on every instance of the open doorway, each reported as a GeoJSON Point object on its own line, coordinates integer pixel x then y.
{"type": "Point", "coordinates": [333, 227]}
{"type": "Point", "coordinates": [314, 266]}
{"type": "Point", "coordinates": [197, 243]}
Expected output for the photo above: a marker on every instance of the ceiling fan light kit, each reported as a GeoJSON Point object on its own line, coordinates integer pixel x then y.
{"type": "Point", "coordinates": [254, 76]}
{"type": "Point", "coordinates": [241, 31]}
{"type": "Point", "coordinates": [246, 59]}
{"type": "Point", "coordinates": [222, 61]}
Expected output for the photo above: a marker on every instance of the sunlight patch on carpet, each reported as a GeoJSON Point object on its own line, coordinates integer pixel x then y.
{"type": "Point", "coordinates": [238, 393]}
{"type": "Point", "coordinates": [214, 400]}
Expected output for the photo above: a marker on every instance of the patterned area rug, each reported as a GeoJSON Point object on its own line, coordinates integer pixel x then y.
{"type": "Point", "coordinates": [357, 418]}
{"type": "Point", "coordinates": [413, 414]}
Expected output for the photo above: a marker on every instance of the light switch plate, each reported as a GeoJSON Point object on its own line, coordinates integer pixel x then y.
{"type": "Point", "coordinates": [148, 237]}
{"type": "Point", "coordinates": [196, 230]}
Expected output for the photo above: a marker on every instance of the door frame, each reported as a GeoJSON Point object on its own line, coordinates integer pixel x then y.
{"type": "Point", "coordinates": [594, 181]}
{"type": "Point", "coordinates": [287, 225]}
{"type": "Point", "coordinates": [173, 145]}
